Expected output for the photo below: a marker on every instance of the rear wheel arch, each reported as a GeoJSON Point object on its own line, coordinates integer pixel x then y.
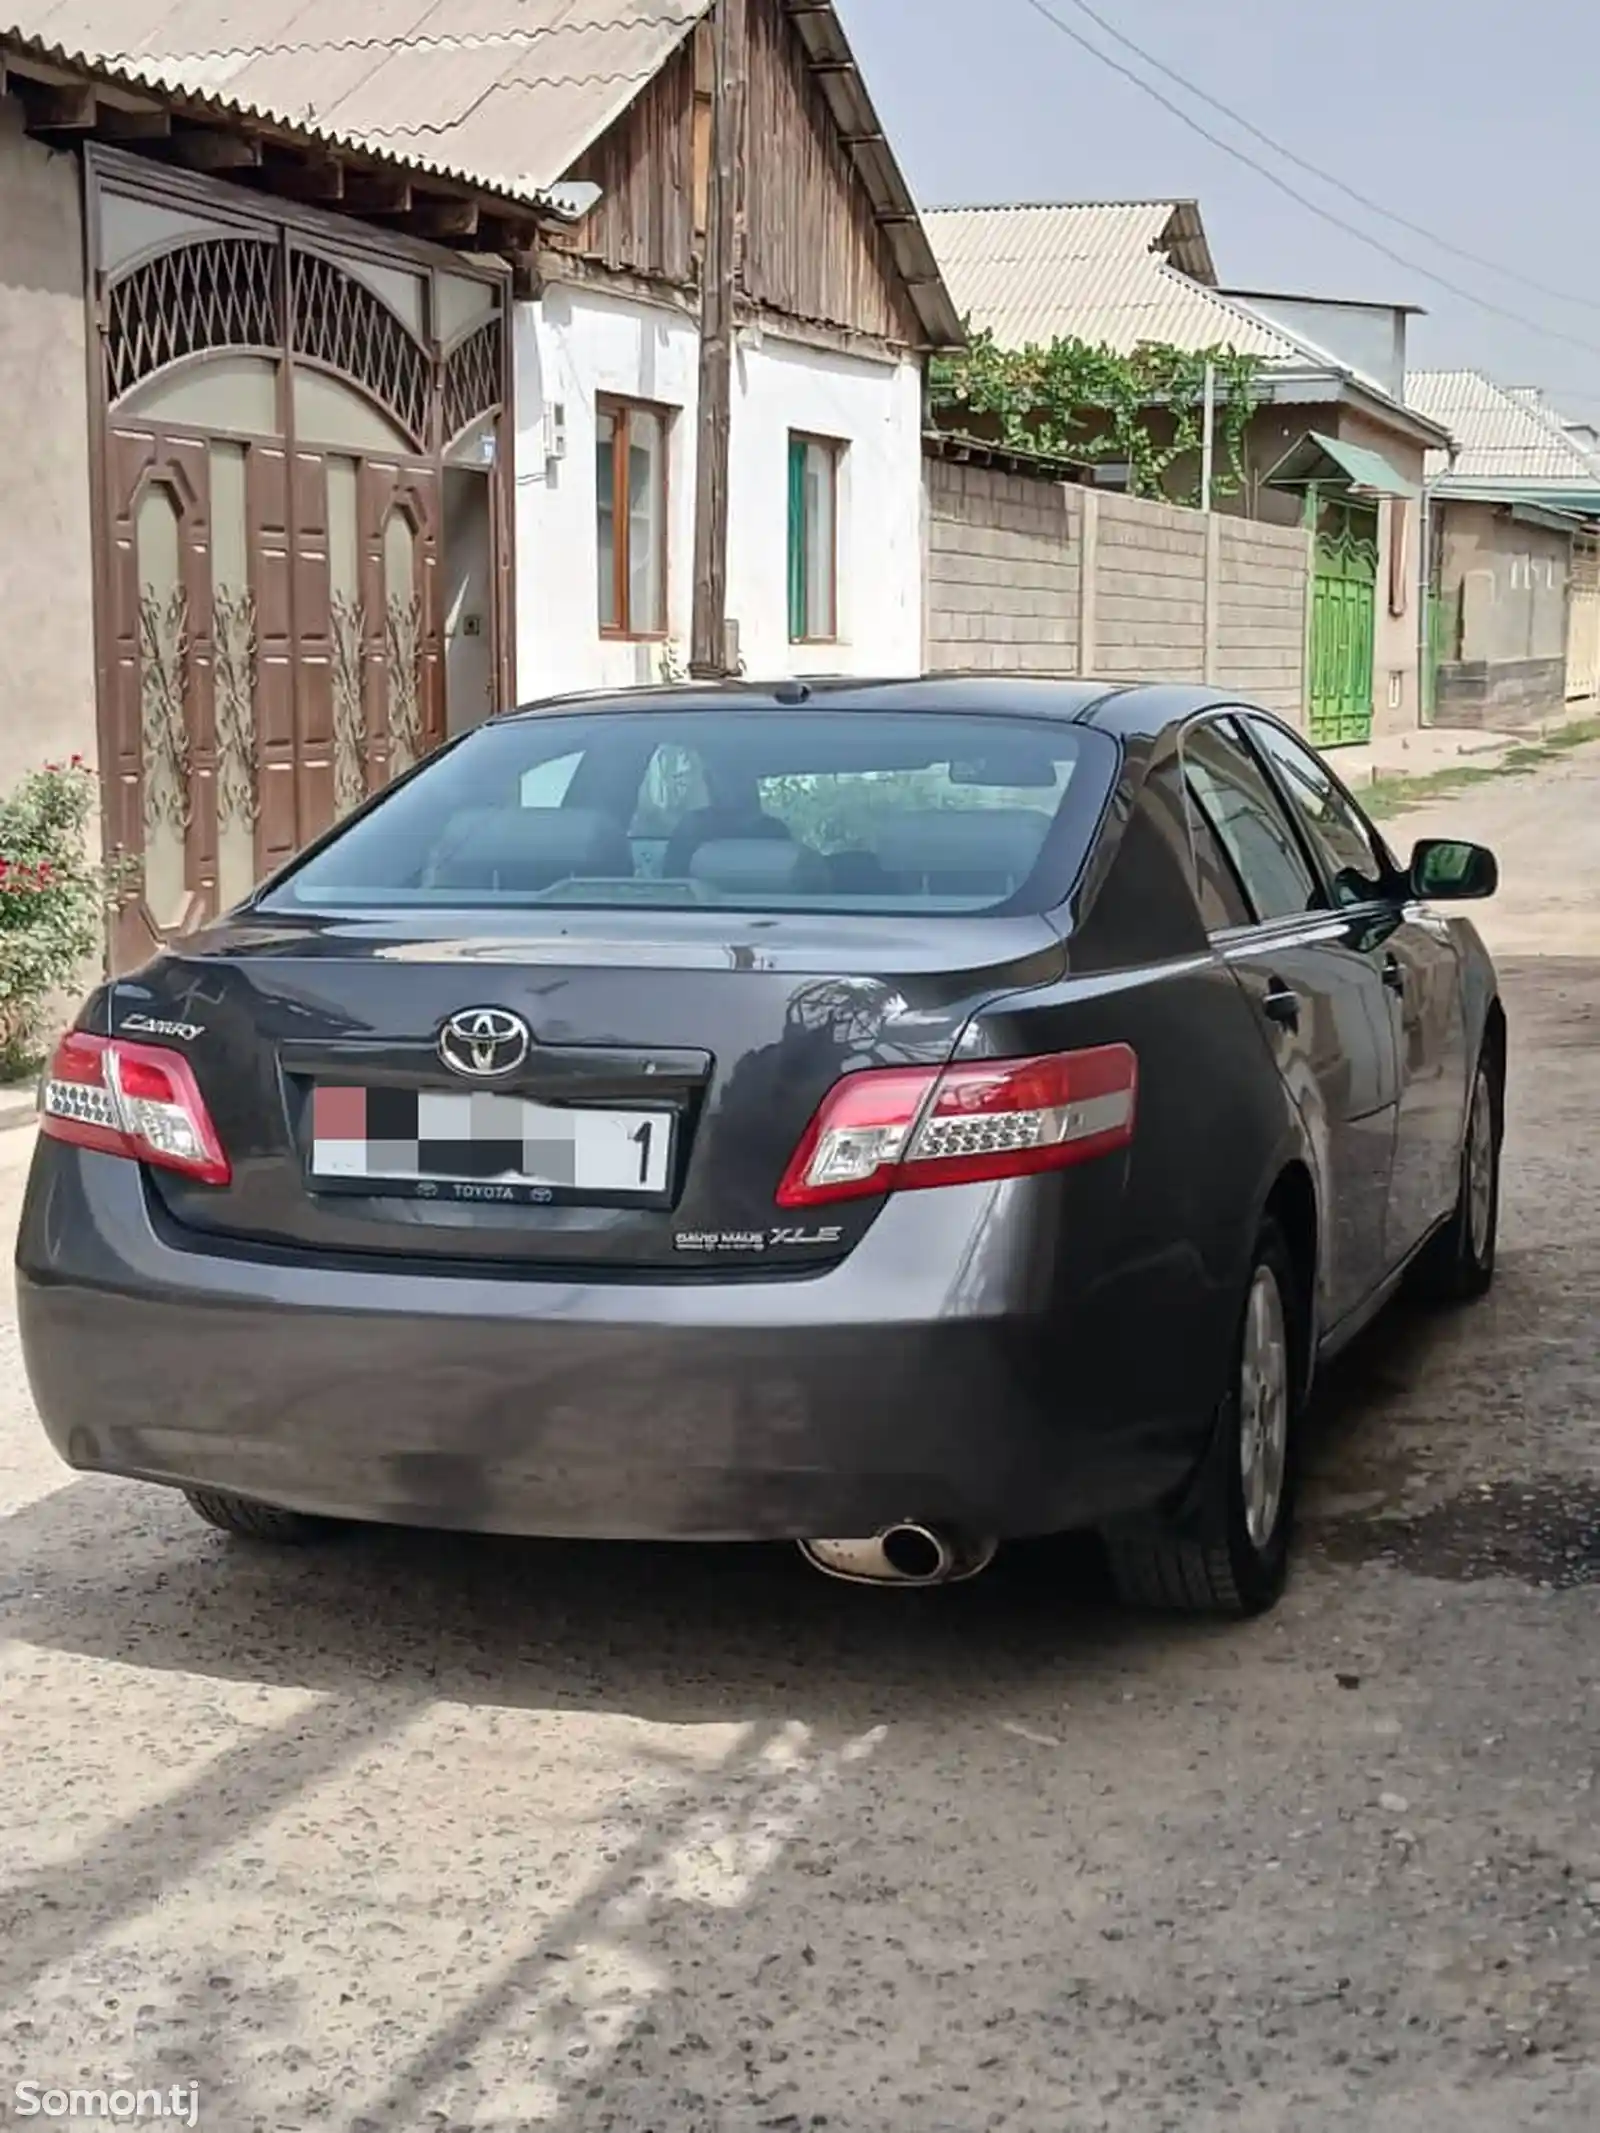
{"type": "Point", "coordinates": [1292, 1205]}
{"type": "Point", "coordinates": [1495, 1041]}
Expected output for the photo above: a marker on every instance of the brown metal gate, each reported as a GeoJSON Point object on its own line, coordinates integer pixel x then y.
{"type": "Point", "coordinates": [276, 421]}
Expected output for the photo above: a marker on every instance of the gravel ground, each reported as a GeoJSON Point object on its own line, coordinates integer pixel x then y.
{"type": "Point", "coordinates": [427, 1833]}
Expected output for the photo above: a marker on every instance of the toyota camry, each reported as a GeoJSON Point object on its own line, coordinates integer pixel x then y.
{"type": "Point", "coordinates": [896, 1118]}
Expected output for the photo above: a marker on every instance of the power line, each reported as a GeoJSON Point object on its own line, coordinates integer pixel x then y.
{"type": "Point", "coordinates": [1315, 207]}
{"type": "Point", "coordinates": [1328, 177]}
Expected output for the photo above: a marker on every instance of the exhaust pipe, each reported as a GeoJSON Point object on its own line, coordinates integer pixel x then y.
{"type": "Point", "coordinates": [907, 1553]}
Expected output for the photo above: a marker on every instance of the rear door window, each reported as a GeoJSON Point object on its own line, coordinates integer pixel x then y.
{"type": "Point", "coordinates": [1238, 813]}
{"type": "Point", "coordinates": [753, 807]}
{"type": "Point", "coordinates": [1351, 854]}
{"type": "Point", "coordinates": [1223, 903]}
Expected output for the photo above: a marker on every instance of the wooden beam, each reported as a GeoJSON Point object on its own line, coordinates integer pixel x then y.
{"type": "Point", "coordinates": [56, 110]}
{"type": "Point", "coordinates": [316, 179]}
{"type": "Point", "coordinates": [506, 235]}
{"type": "Point", "coordinates": [527, 275]}
{"type": "Point", "coordinates": [25, 67]}
{"type": "Point", "coordinates": [202, 149]}
{"type": "Point", "coordinates": [152, 125]}
{"type": "Point", "coordinates": [434, 217]}
{"type": "Point", "coordinates": [376, 192]}
{"type": "Point", "coordinates": [708, 639]}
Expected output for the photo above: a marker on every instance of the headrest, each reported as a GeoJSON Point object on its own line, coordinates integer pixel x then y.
{"type": "Point", "coordinates": [952, 844]}
{"type": "Point", "coordinates": [528, 848]}
{"type": "Point", "coordinates": [758, 866]}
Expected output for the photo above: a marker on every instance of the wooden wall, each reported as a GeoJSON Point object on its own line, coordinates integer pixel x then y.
{"type": "Point", "coordinates": [812, 249]}
{"type": "Point", "coordinates": [645, 222]}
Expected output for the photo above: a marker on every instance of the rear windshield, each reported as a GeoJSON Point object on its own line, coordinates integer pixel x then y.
{"type": "Point", "coordinates": [751, 808]}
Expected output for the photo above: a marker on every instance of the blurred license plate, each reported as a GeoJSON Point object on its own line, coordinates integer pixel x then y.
{"type": "Point", "coordinates": [472, 1145]}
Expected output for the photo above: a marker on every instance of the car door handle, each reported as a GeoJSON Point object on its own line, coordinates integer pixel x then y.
{"type": "Point", "coordinates": [1282, 1005]}
{"type": "Point", "coordinates": [1394, 975]}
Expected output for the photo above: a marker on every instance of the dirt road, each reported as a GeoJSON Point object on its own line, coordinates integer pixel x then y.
{"type": "Point", "coordinates": [419, 1833]}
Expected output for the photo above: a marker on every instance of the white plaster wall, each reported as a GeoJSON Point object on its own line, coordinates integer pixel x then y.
{"type": "Point", "coordinates": [47, 699]}
{"type": "Point", "coordinates": [575, 344]}
{"type": "Point", "coordinates": [874, 409]}
{"type": "Point", "coordinates": [570, 346]}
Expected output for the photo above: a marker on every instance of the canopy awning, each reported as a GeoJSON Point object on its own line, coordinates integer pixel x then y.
{"type": "Point", "coordinates": [1330, 463]}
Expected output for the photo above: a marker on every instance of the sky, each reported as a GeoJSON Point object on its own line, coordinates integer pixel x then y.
{"type": "Point", "coordinates": [1480, 124]}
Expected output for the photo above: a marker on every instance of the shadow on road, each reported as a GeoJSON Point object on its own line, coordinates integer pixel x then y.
{"type": "Point", "coordinates": [677, 1633]}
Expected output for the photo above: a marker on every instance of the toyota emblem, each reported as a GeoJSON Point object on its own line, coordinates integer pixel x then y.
{"type": "Point", "coordinates": [486, 1043]}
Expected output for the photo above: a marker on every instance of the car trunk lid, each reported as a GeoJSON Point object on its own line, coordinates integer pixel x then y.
{"type": "Point", "coordinates": [697, 1043]}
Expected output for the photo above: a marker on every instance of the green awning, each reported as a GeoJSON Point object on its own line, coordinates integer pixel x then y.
{"type": "Point", "coordinates": [1332, 464]}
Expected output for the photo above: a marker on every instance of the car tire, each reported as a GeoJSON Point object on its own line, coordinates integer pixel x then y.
{"type": "Point", "coordinates": [1457, 1266]}
{"type": "Point", "coordinates": [1225, 1551]}
{"type": "Point", "coordinates": [256, 1521]}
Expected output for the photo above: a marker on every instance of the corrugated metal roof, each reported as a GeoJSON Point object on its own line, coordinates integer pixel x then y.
{"type": "Point", "coordinates": [1096, 272]}
{"type": "Point", "coordinates": [502, 96]}
{"type": "Point", "coordinates": [504, 93]}
{"type": "Point", "coordinates": [1501, 435]}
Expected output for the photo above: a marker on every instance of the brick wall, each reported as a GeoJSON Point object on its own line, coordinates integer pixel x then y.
{"type": "Point", "coordinates": [1261, 614]}
{"type": "Point", "coordinates": [1150, 592]}
{"type": "Point", "coordinates": [1014, 562]}
{"type": "Point", "coordinates": [1002, 576]}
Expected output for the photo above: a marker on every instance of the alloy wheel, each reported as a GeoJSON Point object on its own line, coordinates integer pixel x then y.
{"type": "Point", "coordinates": [1264, 1407]}
{"type": "Point", "coordinates": [1480, 1168]}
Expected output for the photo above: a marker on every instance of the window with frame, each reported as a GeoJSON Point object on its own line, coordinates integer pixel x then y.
{"type": "Point", "coordinates": [1218, 889]}
{"type": "Point", "coordinates": [631, 518]}
{"type": "Point", "coordinates": [1354, 857]}
{"type": "Point", "coordinates": [1236, 807]}
{"type": "Point", "coordinates": [813, 539]}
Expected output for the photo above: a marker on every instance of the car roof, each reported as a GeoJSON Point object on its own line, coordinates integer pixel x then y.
{"type": "Point", "coordinates": [1125, 709]}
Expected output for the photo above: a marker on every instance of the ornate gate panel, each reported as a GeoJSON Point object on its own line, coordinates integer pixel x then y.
{"type": "Point", "coordinates": [160, 768]}
{"type": "Point", "coordinates": [277, 418]}
{"type": "Point", "coordinates": [1343, 612]}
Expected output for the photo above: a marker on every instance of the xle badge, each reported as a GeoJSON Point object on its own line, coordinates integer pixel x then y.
{"type": "Point", "coordinates": [754, 1240]}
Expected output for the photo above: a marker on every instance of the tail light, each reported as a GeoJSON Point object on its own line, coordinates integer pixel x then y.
{"type": "Point", "coordinates": [136, 1100]}
{"type": "Point", "coordinates": [894, 1129]}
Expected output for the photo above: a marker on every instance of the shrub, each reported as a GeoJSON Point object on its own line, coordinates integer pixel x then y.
{"type": "Point", "coordinates": [53, 901]}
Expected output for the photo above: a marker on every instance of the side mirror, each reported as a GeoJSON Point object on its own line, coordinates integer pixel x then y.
{"type": "Point", "coordinates": [1445, 871]}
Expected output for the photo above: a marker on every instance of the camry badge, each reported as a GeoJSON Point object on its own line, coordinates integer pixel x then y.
{"type": "Point", "coordinates": [485, 1043]}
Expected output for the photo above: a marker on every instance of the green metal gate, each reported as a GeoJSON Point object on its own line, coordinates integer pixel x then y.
{"type": "Point", "coordinates": [1343, 610]}
{"type": "Point", "coordinates": [1441, 646]}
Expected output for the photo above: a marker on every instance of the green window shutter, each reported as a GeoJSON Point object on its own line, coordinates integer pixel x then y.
{"type": "Point", "coordinates": [798, 618]}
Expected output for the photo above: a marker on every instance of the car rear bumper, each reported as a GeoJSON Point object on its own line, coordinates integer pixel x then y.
{"type": "Point", "coordinates": [926, 1377]}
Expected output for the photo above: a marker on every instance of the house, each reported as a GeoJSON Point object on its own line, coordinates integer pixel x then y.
{"type": "Point", "coordinates": [839, 303]}
{"type": "Point", "coordinates": [349, 388]}
{"type": "Point", "coordinates": [245, 394]}
{"type": "Point", "coordinates": [1330, 443]}
{"type": "Point", "coordinates": [1514, 509]}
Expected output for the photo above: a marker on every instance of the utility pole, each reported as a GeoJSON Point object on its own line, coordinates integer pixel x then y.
{"type": "Point", "coordinates": [708, 652]}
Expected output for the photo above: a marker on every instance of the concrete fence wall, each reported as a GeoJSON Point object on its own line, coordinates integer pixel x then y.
{"type": "Point", "coordinates": [1032, 576]}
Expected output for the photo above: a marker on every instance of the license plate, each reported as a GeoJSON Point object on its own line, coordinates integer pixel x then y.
{"type": "Point", "coordinates": [476, 1145]}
